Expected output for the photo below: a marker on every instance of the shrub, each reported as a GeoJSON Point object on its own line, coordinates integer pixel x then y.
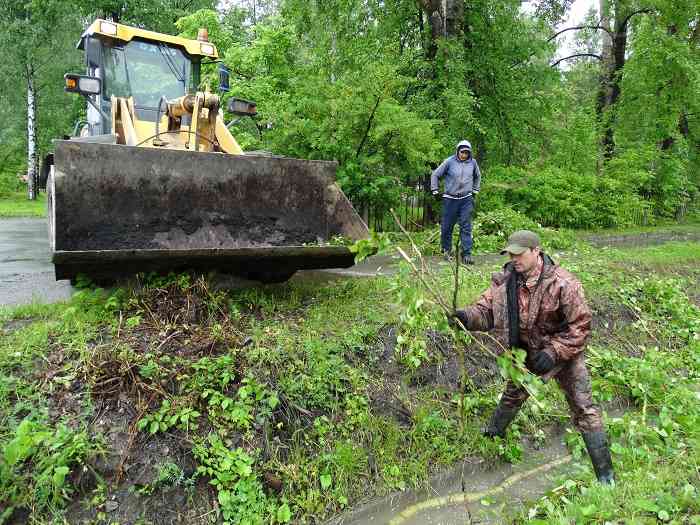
{"type": "Point", "coordinates": [491, 229]}
{"type": "Point", "coordinates": [560, 198]}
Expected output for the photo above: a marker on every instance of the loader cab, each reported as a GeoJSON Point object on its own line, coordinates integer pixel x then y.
{"type": "Point", "coordinates": [144, 65]}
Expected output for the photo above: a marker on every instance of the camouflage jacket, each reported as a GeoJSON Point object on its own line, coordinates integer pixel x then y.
{"type": "Point", "coordinates": [558, 321]}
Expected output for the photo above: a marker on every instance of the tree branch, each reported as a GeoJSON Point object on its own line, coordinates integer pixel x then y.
{"type": "Point", "coordinates": [555, 35]}
{"type": "Point", "coordinates": [554, 64]}
{"type": "Point", "coordinates": [627, 18]}
{"type": "Point", "coordinates": [369, 126]}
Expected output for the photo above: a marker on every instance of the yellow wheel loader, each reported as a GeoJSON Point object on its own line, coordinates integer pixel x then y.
{"type": "Point", "coordinates": [154, 181]}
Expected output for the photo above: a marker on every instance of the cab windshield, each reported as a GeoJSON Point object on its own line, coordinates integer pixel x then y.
{"type": "Point", "coordinates": [146, 71]}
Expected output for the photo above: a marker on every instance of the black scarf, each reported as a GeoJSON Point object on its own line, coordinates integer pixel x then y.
{"type": "Point", "coordinates": [512, 300]}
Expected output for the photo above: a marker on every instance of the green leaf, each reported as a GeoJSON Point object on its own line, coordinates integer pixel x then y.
{"type": "Point", "coordinates": [588, 510]}
{"type": "Point", "coordinates": [647, 505]}
{"type": "Point", "coordinates": [224, 498]}
{"type": "Point", "coordinates": [616, 448]}
{"type": "Point", "coordinates": [325, 481]}
{"type": "Point", "coordinates": [284, 514]}
{"type": "Point", "coordinates": [59, 477]}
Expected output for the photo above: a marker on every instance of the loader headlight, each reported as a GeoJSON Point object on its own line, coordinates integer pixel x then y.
{"type": "Point", "coordinates": [108, 28]}
{"type": "Point", "coordinates": [207, 49]}
{"type": "Point", "coordinates": [82, 84]}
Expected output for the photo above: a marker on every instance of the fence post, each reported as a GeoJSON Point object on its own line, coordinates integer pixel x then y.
{"type": "Point", "coordinates": [428, 211]}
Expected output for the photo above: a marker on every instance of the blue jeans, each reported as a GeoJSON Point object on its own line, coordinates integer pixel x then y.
{"type": "Point", "coordinates": [454, 210]}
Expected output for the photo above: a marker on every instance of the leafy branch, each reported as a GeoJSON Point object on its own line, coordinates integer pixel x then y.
{"type": "Point", "coordinates": [511, 363]}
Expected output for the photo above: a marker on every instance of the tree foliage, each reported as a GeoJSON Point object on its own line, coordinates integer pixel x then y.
{"type": "Point", "coordinates": [387, 87]}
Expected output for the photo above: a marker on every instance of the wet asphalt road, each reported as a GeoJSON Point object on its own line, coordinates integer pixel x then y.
{"type": "Point", "coordinates": [26, 272]}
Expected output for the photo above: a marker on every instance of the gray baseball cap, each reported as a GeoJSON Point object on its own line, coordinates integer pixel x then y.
{"type": "Point", "coordinates": [520, 241]}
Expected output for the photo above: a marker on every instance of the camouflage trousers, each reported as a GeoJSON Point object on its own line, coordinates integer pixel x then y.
{"type": "Point", "coordinates": [575, 380]}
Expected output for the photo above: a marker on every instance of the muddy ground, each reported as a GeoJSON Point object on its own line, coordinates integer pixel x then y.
{"type": "Point", "coordinates": [179, 324]}
{"type": "Point", "coordinates": [130, 462]}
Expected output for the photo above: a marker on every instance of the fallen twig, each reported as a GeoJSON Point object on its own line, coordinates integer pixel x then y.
{"type": "Point", "coordinates": [176, 332]}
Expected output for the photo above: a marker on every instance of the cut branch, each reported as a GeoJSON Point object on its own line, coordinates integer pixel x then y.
{"type": "Point", "coordinates": [432, 289]}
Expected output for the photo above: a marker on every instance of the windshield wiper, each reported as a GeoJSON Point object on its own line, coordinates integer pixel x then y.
{"type": "Point", "coordinates": [171, 63]}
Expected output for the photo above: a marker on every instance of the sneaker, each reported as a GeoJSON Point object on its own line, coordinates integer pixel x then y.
{"type": "Point", "coordinates": [447, 257]}
{"type": "Point", "coordinates": [467, 260]}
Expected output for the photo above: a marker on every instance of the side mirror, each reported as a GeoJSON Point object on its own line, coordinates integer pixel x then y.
{"type": "Point", "coordinates": [82, 84]}
{"type": "Point", "coordinates": [224, 75]}
{"type": "Point", "coordinates": [238, 106]}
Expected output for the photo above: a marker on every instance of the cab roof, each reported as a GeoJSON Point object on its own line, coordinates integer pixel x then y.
{"type": "Point", "coordinates": [110, 30]}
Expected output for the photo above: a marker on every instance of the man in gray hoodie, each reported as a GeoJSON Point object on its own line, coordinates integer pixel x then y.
{"type": "Point", "coordinates": [462, 183]}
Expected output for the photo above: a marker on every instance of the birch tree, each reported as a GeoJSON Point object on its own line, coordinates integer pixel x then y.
{"type": "Point", "coordinates": [38, 45]}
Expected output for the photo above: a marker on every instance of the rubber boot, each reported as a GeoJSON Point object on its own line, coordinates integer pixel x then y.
{"type": "Point", "coordinates": [499, 421]}
{"type": "Point", "coordinates": [597, 445]}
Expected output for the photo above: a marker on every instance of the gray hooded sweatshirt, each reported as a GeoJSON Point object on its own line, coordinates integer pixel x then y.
{"type": "Point", "coordinates": [462, 178]}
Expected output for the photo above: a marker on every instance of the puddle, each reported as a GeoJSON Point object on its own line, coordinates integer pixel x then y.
{"type": "Point", "coordinates": [470, 492]}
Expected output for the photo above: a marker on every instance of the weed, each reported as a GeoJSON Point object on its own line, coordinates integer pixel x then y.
{"type": "Point", "coordinates": [169, 475]}
{"type": "Point", "coordinates": [168, 417]}
{"type": "Point", "coordinates": [17, 205]}
{"type": "Point", "coordinates": [240, 492]}
{"type": "Point", "coordinates": [42, 457]}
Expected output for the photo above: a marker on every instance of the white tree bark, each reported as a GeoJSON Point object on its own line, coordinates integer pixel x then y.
{"type": "Point", "coordinates": [31, 135]}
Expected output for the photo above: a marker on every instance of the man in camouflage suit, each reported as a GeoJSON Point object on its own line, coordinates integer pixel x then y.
{"type": "Point", "coordinates": [540, 307]}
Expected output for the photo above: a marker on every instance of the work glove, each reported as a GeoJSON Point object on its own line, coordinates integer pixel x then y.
{"type": "Point", "coordinates": [542, 363]}
{"type": "Point", "coordinates": [436, 193]}
{"type": "Point", "coordinates": [452, 320]}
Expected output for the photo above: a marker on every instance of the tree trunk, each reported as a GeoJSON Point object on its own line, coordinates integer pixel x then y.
{"type": "Point", "coordinates": [31, 135]}
{"type": "Point", "coordinates": [433, 11]}
{"type": "Point", "coordinates": [613, 62]}
{"type": "Point", "coordinates": [604, 88]}
{"type": "Point", "coordinates": [446, 18]}
{"type": "Point", "coordinates": [454, 17]}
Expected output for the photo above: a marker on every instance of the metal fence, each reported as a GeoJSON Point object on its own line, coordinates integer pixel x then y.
{"type": "Point", "coordinates": [417, 209]}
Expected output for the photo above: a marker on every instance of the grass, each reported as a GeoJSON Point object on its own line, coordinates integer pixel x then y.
{"type": "Point", "coordinates": [663, 256]}
{"type": "Point", "coordinates": [292, 407]}
{"type": "Point", "coordinates": [690, 224]}
{"type": "Point", "coordinates": [17, 205]}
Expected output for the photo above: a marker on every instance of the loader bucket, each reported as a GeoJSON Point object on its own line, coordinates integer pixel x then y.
{"type": "Point", "coordinates": [116, 210]}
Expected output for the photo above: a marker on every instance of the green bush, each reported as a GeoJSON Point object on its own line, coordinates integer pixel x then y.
{"type": "Point", "coordinates": [490, 230]}
{"type": "Point", "coordinates": [662, 179]}
{"type": "Point", "coordinates": [561, 198]}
